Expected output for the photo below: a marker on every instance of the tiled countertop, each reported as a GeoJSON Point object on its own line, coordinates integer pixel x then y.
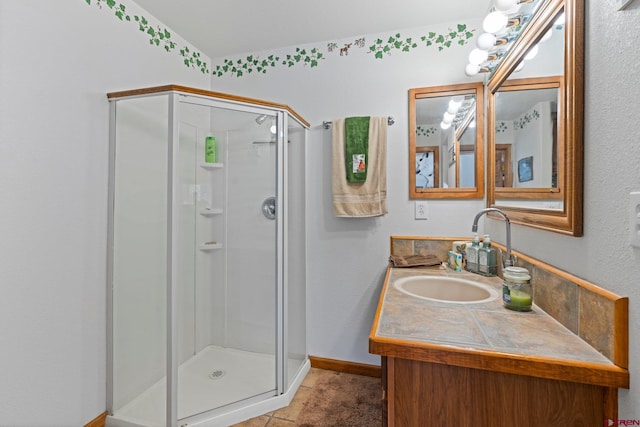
{"type": "Point", "coordinates": [483, 329]}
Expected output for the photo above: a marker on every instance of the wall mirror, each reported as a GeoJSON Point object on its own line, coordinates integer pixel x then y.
{"type": "Point", "coordinates": [446, 150]}
{"type": "Point", "coordinates": [535, 122]}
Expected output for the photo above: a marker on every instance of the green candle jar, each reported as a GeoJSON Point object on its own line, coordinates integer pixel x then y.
{"type": "Point", "coordinates": [516, 289]}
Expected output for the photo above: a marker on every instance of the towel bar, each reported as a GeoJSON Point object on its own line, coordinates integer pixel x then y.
{"type": "Point", "coordinates": [327, 124]}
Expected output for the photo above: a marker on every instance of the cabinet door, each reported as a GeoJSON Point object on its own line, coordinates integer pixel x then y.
{"type": "Point", "coordinates": [422, 393]}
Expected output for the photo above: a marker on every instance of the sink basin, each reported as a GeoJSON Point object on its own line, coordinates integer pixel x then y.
{"type": "Point", "coordinates": [446, 289]}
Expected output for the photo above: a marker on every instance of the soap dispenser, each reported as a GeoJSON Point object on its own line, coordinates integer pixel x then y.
{"type": "Point", "coordinates": [487, 258]}
{"type": "Point", "coordinates": [472, 254]}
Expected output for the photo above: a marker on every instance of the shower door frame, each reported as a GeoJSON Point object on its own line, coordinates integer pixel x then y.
{"type": "Point", "coordinates": [174, 98]}
{"type": "Point", "coordinates": [280, 277]}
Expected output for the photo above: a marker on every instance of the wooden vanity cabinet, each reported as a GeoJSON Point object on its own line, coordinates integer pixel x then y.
{"type": "Point", "coordinates": [561, 367]}
{"type": "Point", "coordinates": [416, 394]}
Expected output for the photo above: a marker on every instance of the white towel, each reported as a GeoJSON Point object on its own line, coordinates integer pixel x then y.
{"type": "Point", "coordinates": [360, 199]}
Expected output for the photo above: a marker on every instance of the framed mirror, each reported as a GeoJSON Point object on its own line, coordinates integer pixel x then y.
{"type": "Point", "coordinates": [526, 141]}
{"type": "Point", "coordinates": [446, 150]}
{"type": "Point", "coordinates": [535, 122]}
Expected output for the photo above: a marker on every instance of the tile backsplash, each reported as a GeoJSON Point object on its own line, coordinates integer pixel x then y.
{"type": "Point", "coordinates": [585, 309]}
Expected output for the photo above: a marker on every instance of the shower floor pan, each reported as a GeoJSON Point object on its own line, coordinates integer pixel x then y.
{"type": "Point", "coordinates": [212, 378]}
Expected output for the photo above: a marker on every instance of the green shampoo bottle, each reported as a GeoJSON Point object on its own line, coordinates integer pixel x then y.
{"type": "Point", "coordinates": [210, 149]}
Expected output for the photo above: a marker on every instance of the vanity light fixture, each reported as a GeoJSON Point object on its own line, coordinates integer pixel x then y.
{"type": "Point", "coordinates": [455, 103]}
{"type": "Point", "coordinates": [488, 41]}
{"type": "Point", "coordinates": [472, 70]}
{"type": "Point", "coordinates": [507, 6]}
{"type": "Point", "coordinates": [502, 25]}
{"type": "Point", "coordinates": [478, 56]}
{"type": "Point", "coordinates": [448, 118]}
{"type": "Point", "coordinates": [495, 22]}
{"type": "Point", "coordinates": [457, 112]}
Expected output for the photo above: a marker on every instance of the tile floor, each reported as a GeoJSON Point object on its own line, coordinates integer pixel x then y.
{"type": "Point", "coordinates": [286, 417]}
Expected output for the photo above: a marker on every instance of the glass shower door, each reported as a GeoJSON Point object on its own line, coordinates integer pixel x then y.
{"type": "Point", "coordinates": [227, 292]}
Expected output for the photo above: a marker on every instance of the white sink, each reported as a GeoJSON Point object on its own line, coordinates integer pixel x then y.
{"type": "Point", "coordinates": [446, 289]}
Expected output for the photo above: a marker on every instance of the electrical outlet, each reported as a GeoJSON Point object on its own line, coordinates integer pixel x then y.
{"type": "Point", "coordinates": [421, 210]}
{"type": "Point", "coordinates": [634, 219]}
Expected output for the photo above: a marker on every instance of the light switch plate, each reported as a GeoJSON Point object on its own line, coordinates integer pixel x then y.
{"type": "Point", "coordinates": [621, 4]}
{"type": "Point", "coordinates": [634, 219]}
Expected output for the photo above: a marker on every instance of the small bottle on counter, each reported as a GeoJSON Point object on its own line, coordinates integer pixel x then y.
{"type": "Point", "coordinates": [472, 254]}
{"type": "Point", "coordinates": [516, 289]}
{"type": "Point", "coordinates": [487, 258]}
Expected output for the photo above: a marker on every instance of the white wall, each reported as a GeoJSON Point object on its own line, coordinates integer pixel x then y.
{"type": "Point", "coordinates": [58, 61]}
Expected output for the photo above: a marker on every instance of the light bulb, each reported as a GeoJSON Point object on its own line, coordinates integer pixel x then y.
{"type": "Point", "coordinates": [547, 35]}
{"type": "Point", "coordinates": [505, 5]}
{"type": "Point", "coordinates": [486, 41]}
{"type": "Point", "coordinates": [448, 118]}
{"type": "Point", "coordinates": [471, 70]}
{"type": "Point", "coordinates": [478, 56]}
{"type": "Point", "coordinates": [472, 124]}
{"type": "Point", "coordinates": [273, 129]}
{"type": "Point", "coordinates": [519, 67]}
{"type": "Point", "coordinates": [454, 104]}
{"type": "Point", "coordinates": [444, 125]}
{"type": "Point", "coordinates": [532, 53]}
{"type": "Point", "coordinates": [560, 21]}
{"type": "Point", "coordinates": [494, 22]}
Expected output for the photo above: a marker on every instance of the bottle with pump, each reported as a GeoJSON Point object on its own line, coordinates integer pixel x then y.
{"type": "Point", "coordinates": [472, 254]}
{"type": "Point", "coordinates": [487, 258]}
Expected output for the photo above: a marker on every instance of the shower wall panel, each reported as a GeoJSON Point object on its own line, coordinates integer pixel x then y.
{"type": "Point", "coordinates": [139, 252]}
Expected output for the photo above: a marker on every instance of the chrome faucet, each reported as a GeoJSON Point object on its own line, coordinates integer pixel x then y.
{"type": "Point", "coordinates": [507, 262]}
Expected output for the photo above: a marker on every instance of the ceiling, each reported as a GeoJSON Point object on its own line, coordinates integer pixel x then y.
{"type": "Point", "coordinates": [227, 27]}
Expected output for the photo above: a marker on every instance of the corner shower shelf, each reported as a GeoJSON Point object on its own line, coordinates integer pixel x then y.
{"type": "Point", "coordinates": [211, 165]}
{"type": "Point", "coordinates": [210, 246]}
{"type": "Point", "coordinates": [211, 212]}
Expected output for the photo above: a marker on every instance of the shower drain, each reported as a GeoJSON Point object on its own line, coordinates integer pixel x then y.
{"type": "Point", "coordinates": [217, 374]}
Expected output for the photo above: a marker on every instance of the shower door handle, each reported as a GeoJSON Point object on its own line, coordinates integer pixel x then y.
{"type": "Point", "coordinates": [269, 208]}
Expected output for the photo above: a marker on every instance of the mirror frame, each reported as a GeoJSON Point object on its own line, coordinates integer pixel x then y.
{"type": "Point", "coordinates": [570, 121]}
{"type": "Point", "coordinates": [476, 192]}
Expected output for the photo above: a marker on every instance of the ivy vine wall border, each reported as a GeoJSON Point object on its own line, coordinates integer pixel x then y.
{"type": "Point", "coordinates": [382, 47]}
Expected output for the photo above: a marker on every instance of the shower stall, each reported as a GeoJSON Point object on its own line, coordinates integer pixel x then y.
{"type": "Point", "coordinates": [206, 259]}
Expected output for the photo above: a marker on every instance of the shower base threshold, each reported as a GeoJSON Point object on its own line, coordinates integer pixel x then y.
{"type": "Point", "coordinates": [213, 378]}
